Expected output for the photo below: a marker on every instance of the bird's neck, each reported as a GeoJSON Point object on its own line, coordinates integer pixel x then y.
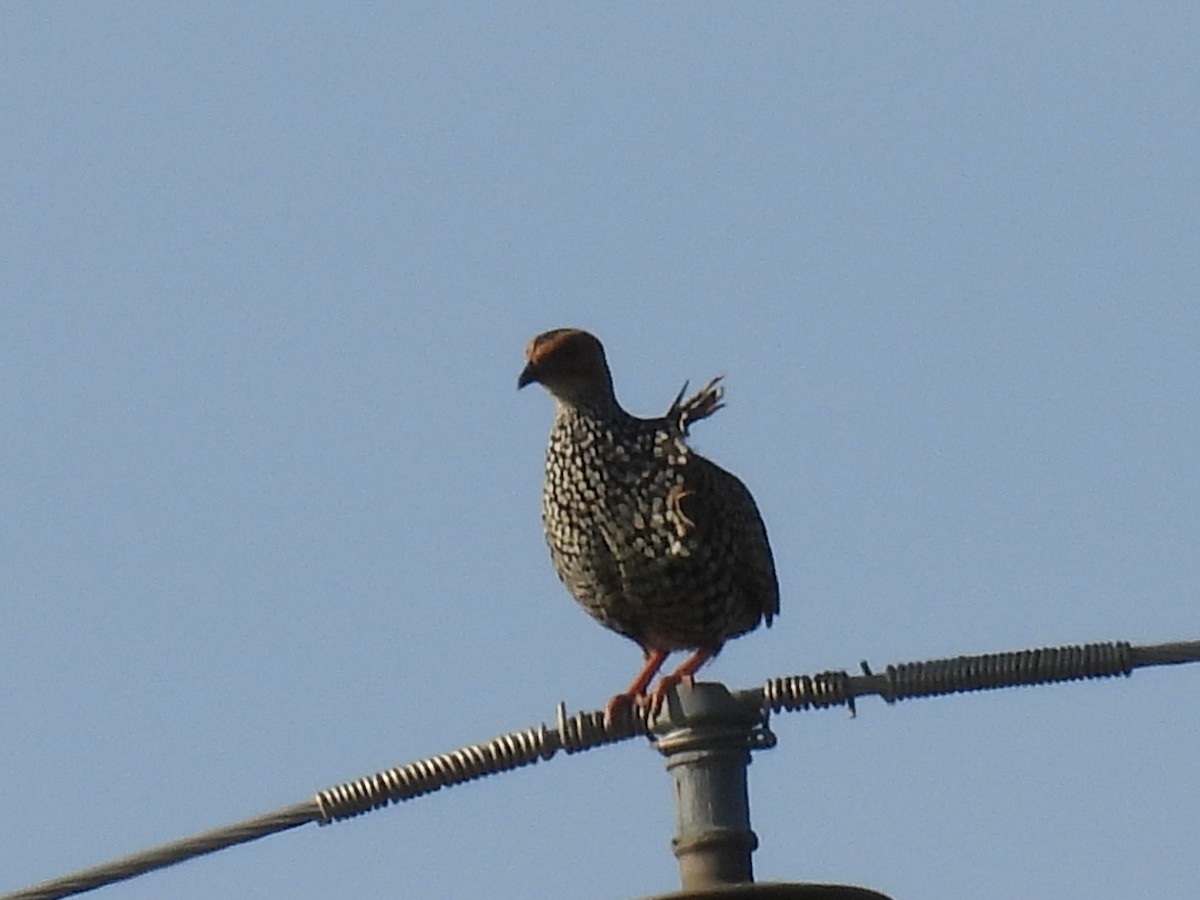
{"type": "Point", "coordinates": [601, 407]}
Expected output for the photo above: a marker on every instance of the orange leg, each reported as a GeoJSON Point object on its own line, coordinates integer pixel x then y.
{"type": "Point", "coordinates": [685, 674]}
{"type": "Point", "coordinates": [636, 691]}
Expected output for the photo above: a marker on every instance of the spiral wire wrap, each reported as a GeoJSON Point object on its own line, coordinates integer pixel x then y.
{"type": "Point", "coordinates": [999, 670]}
{"type": "Point", "coordinates": [585, 730]}
{"type": "Point", "coordinates": [581, 731]}
{"type": "Point", "coordinates": [795, 692]}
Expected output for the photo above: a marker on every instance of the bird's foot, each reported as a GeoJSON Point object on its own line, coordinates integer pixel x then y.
{"type": "Point", "coordinates": [635, 695]}
{"type": "Point", "coordinates": [665, 685]}
{"type": "Point", "coordinates": [685, 674]}
{"type": "Point", "coordinates": [641, 706]}
{"type": "Point", "coordinates": [622, 705]}
{"type": "Point", "coordinates": [646, 705]}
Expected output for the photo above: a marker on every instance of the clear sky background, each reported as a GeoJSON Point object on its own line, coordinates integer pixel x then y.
{"type": "Point", "coordinates": [270, 497]}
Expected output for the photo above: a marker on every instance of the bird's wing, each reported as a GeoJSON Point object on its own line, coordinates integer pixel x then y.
{"type": "Point", "coordinates": [722, 510]}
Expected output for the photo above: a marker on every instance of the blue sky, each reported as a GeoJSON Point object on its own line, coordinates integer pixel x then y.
{"type": "Point", "coordinates": [271, 497]}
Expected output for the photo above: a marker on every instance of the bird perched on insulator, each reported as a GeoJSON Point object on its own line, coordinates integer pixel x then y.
{"type": "Point", "coordinates": [656, 542]}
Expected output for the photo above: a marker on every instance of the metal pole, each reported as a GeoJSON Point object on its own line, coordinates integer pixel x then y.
{"type": "Point", "coordinates": [706, 736]}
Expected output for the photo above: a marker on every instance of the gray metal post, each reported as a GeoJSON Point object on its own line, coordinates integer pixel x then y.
{"type": "Point", "coordinates": [707, 736]}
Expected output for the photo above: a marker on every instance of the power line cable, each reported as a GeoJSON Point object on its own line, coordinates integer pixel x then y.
{"type": "Point", "coordinates": [586, 730]}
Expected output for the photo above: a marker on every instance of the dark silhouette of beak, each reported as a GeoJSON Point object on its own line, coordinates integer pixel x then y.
{"type": "Point", "coordinates": [528, 376]}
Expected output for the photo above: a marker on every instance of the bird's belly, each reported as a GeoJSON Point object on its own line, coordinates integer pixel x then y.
{"type": "Point", "coordinates": [662, 603]}
{"type": "Point", "coordinates": [637, 564]}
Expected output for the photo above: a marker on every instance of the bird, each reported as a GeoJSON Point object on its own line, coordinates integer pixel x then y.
{"type": "Point", "coordinates": [654, 541]}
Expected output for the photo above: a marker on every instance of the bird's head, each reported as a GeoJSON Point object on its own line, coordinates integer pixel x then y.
{"type": "Point", "coordinates": [570, 364]}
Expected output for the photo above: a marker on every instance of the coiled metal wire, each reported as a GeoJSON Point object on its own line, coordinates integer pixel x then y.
{"type": "Point", "coordinates": [581, 731]}
{"type": "Point", "coordinates": [956, 675]}
{"type": "Point", "coordinates": [999, 670]}
{"type": "Point", "coordinates": [796, 692]}
{"type": "Point", "coordinates": [584, 730]}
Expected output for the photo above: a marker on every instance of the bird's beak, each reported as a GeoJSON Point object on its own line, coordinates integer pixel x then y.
{"type": "Point", "coordinates": [528, 376]}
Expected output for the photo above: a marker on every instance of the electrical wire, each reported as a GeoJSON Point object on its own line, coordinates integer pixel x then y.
{"type": "Point", "coordinates": [586, 730]}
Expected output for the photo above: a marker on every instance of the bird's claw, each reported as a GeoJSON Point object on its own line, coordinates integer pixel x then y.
{"type": "Point", "coordinates": [665, 685]}
{"type": "Point", "coordinates": [645, 706]}
{"type": "Point", "coordinates": [621, 706]}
